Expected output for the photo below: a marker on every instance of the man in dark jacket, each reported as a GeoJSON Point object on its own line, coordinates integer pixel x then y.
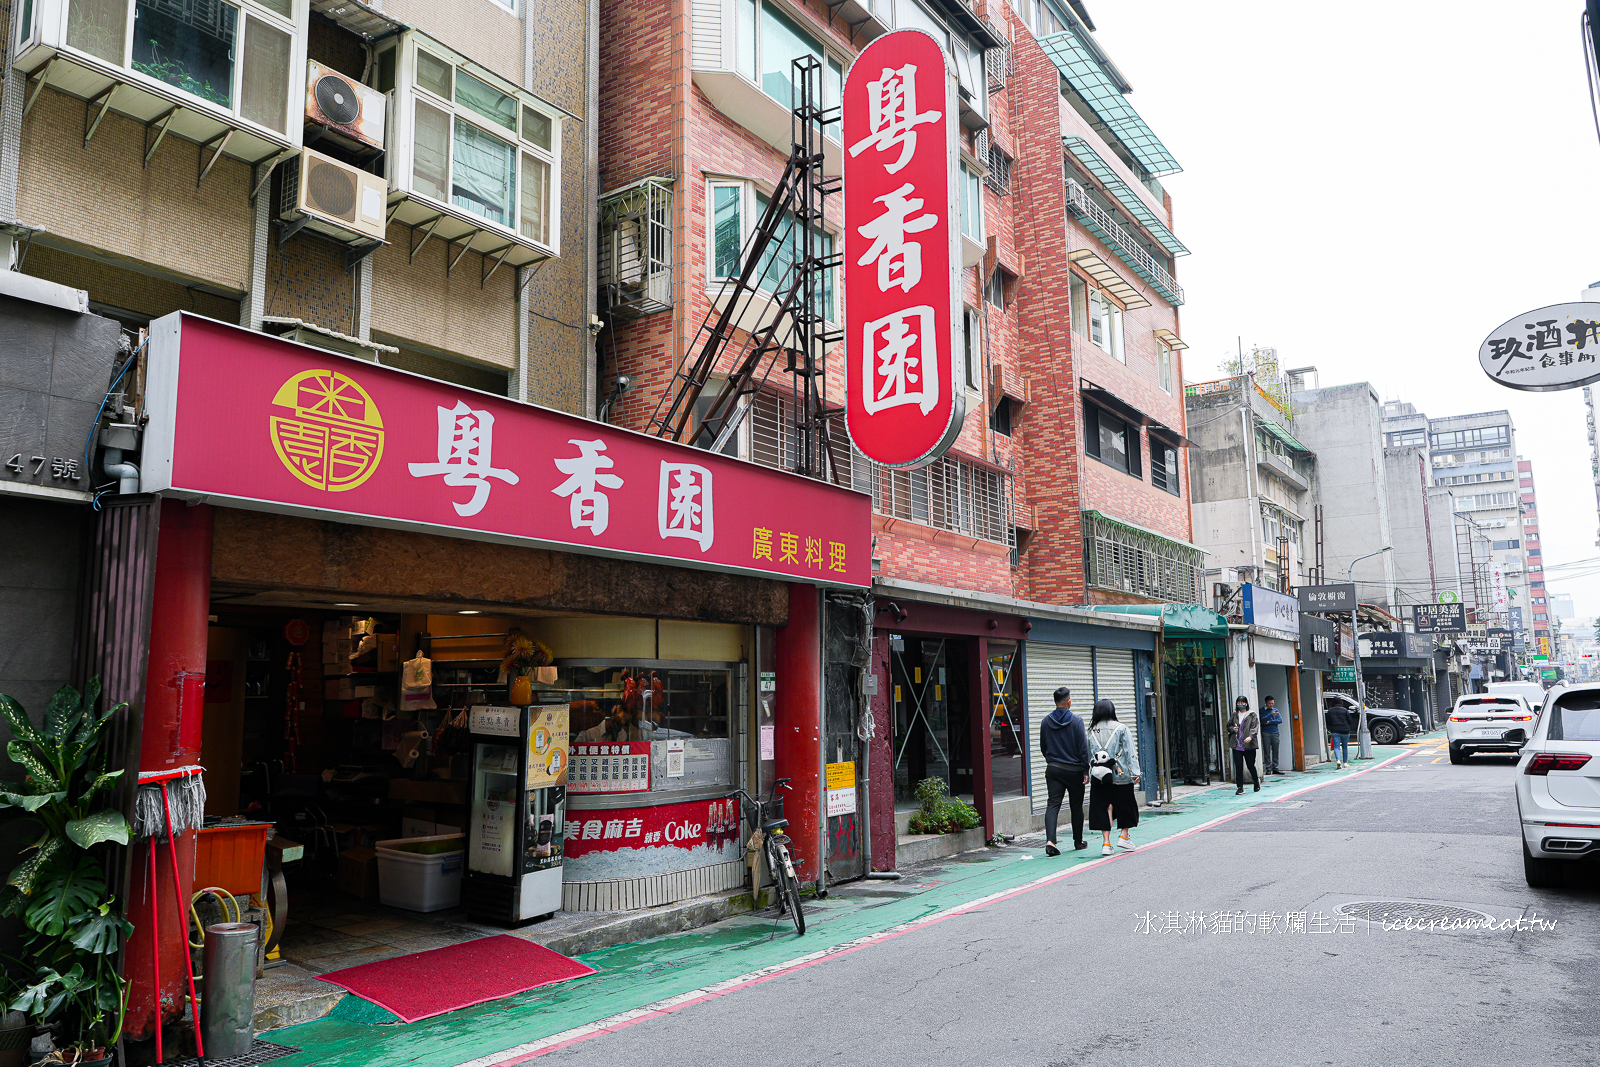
{"type": "Point", "coordinates": [1065, 744]}
{"type": "Point", "coordinates": [1340, 724]}
{"type": "Point", "coordinates": [1271, 720]}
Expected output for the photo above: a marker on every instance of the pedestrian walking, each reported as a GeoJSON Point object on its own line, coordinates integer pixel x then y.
{"type": "Point", "coordinates": [1271, 720]}
{"type": "Point", "coordinates": [1244, 731]}
{"type": "Point", "coordinates": [1065, 745]}
{"type": "Point", "coordinates": [1337, 718]}
{"type": "Point", "coordinates": [1112, 778]}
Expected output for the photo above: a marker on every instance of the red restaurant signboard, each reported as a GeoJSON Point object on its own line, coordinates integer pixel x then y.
{"type": "Point", "coordinates": [245, 419]}
{"type": "Point", "coordinates": [902, 251]}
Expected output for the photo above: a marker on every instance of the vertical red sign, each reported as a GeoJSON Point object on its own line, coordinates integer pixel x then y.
{"type": "Point", "coordinates": [902, 252]}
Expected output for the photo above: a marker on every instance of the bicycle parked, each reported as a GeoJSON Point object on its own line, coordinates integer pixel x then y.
{"type": "Point", "coordinates": [769, 834]}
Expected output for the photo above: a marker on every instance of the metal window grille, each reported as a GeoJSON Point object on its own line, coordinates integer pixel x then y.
{"type": "Point", "coordinates": [1106, 226]}
{"type": "Point", "coordinates": [999, 177]}
{"type": "Point", "coordinates": [1123, 559]}
{"type": "Point", "coordinates": [634, 267]}
{"type": "Point", "coordinates": [998, 61]}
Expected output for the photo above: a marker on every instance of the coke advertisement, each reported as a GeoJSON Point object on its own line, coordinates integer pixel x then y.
{"type": "Point", "coordinates": [902, 252]}
{"type": "Point", "coordinates": [695, 824]}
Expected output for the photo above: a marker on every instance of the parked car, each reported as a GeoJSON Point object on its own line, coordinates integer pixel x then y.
{"type": "Point", "coordinates": [1486, 722]}
{"type": "Point", "coordinates": [1532, 691]}
{"type": "Point", "coordinates": [1386, 726]}
{"type": "Point", "coordinates": [1558, 789]}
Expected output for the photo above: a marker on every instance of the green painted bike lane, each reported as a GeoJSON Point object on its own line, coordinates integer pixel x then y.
{"type": "Point", "coordinates": [647, 978]}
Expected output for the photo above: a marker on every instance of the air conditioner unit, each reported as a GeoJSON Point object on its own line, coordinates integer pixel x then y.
{"type": "Point", "coordinates": [336, 198]}
{"type": "Point", "coordinates": [344, 106]}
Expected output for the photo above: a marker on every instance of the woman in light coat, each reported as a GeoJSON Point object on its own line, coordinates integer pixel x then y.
{"type": "Point", "coordinates": [1111, 785]}
{"type": "Point", "coordinates": [1244, 733]}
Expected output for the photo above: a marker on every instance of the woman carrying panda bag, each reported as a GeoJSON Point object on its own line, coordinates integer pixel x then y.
{"type": "Point", "coordinates": [1112, 777]}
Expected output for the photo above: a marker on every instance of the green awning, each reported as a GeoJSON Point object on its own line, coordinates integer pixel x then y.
{"type": "Point", "coordinates": [1091, 81]}
{"type": "Point", "coordinates": [1285, 436]}
{"type": "Point", "coordinates": [1177, 620]}
{"type": "Point", "coordinates": [1092, 161]}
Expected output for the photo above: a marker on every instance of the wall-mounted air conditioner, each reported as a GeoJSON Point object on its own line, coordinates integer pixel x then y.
{"type": "Point", "coordinates": [344, 107]}
{"type": "Point", "coordinates": [335, 198]}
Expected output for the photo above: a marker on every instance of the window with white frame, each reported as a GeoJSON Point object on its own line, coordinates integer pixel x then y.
{"type": "Point", "coordinates": [1097, 317]}
{"type": "Point", "coordinates": [767, 41]}
{"type": "Point", "coordinates": [971, 204]}
{"type": "Point", "coordinates": [734, 210]}
{"type": "Point", "coordinates": [1164, 366]}
{"type": "Point", "coordinates": [477, 142]}
{"type": "Point", "coordinates": [971, 348]}
{"type": "Point", "coordinates": [238, 57]}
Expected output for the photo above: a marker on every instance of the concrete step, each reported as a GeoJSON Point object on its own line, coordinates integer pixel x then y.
{"type": "Point", "coordinates": [917, 848]}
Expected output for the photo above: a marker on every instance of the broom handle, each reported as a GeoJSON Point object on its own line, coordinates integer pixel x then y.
{"type": "Point", "coordinates": [183, 912]}
{"type": "Point", "coordinates": [155, 946]}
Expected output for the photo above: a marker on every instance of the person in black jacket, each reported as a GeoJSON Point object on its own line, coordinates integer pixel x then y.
{"type": "Point", "coordinates": [1337, 718]}
{"type": "Point", "coordinates": [1065, 745]}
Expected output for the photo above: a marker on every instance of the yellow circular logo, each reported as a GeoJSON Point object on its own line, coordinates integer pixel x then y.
{"type": "Point", "coordinates": [334, 439]}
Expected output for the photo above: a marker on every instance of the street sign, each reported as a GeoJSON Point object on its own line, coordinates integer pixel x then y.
{"type": "Point", "coordinates": [1544, 350]}
{"type": "Point", "coordinates": [1550, 672]}
{"type": "Point", "coordinates": [902, 252]}
{"type": "Point", "coordinates": [1340, 597]}
{"type": "Point", "coordinates": [1345, 674]}
{"type": "Point", "coordinates": [1379, 644]}
{"type": "Point", "coordinates": [1440, 618]}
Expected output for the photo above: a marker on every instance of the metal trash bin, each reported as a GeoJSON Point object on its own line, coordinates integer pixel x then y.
{"type": "Point", "coordinates": [227, 1011]}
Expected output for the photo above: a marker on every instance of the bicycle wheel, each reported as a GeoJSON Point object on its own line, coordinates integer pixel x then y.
{"type": "Point", "coordinates": [788, 889]}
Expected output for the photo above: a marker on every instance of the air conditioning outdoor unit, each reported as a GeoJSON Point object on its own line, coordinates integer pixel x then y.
{"type": "Point", "coordinates": [335, 198]}
{"type": "Point", "coordinates": [344, 106]}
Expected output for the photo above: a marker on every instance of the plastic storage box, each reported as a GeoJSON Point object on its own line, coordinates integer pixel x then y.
{"type": "Point", "coordinates": [421, 873]}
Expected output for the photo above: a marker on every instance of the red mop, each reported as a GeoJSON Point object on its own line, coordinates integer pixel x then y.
{"type": "Point", "coordinates": [151, 818]}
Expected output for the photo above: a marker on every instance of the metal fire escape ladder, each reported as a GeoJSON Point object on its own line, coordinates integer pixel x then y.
{"type": "Point", "coordinates": [794, 319]}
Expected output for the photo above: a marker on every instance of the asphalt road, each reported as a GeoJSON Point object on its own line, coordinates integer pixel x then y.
{"type": "Point", "coordinates": [1090, 970]}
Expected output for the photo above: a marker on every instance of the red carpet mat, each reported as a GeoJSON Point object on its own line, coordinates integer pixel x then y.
{"type": "Point", "coordinates": [430, 983]}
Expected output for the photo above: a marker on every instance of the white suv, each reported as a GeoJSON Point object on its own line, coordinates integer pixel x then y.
{"type": "Point", "coordinates": [1558, 789]}
{"type": "Point", "coordinates": [1483, 722]}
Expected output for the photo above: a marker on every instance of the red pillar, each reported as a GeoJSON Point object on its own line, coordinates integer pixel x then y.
{"type": "Point", "coordinates": [173, 705]}
{"type": "Point", "coordinates": [798, 721]}
{"type": "Point", "coordinates": [982, 757]}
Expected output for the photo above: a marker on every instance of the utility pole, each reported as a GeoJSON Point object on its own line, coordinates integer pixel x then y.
{"type": "Point", "coordinates": [1363, 739]}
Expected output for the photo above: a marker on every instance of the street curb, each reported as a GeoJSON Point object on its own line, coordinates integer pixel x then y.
{"type": "Point", "coordinates": [531, 1050]}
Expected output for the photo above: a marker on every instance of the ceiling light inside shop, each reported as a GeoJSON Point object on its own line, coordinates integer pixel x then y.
{"type": "Point", "coordinates": [469, 612]}
{"type": "Point", "coordinates": [344, 604]}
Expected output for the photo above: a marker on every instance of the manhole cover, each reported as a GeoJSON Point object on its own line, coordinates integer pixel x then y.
{"type": "Point", "coordinates": [1392, 911]}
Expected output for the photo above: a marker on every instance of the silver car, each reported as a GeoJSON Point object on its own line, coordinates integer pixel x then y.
{"type": "Point", "coordinates": [1558, 785]}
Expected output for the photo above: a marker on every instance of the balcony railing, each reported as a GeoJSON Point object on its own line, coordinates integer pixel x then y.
{"type": "Point", "coordinates": [1104, 225]}
{"type": "Point", "coordinates": [1127, 559]}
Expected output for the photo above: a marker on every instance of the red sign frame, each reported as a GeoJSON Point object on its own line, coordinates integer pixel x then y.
{"type": "Point", "coordinates": [905, 401]}
{"type": "Point", "coordinates": [248, 420]}
{"type": "Point", "coordinates": [685, 825]}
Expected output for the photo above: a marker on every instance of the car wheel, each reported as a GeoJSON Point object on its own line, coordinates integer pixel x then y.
{"type": "Point", "coordinates": [1541, 874]}
{"type": "Point", "coordinates": [1456, 755]}
{"type": "Point", "coordinates": [1384, 733]}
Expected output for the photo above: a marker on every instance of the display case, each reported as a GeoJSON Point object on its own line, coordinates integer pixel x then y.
{"type": "Point", "coordinates": [514, 836]}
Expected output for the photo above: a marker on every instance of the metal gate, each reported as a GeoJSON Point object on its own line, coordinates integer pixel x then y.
{"type": "Point", "coordinates": [1050, 667]}
{"type": "Point", "coordinates": [847, 652]}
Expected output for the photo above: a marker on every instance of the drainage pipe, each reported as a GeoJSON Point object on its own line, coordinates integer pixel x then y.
{"type": "Point", "coordinates": [127, 474]}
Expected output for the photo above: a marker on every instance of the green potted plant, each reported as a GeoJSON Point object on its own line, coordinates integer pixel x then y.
{"type": "Point", "coordinates": [16, 1032]}
{"type": "Point", "coordinates": [67, 978]}
{"type": "Point", "coordinates": [939, 814]}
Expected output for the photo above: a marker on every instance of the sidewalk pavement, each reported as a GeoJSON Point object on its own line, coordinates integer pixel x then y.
{"type": "Point", "coordinates": [646, 979]}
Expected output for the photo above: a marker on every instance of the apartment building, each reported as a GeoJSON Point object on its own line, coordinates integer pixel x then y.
{"type": "Point", "coordinates": [1540, 604]}
{"type": "Point", "coordinates": [1066, 482]}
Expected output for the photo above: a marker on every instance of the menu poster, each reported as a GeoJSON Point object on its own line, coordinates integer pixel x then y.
{"type": "Point", "coordinates": [492, 836]}
{"type": "Point", "coordinates": [548, 745]}
{"type": "Point", "coordinates": [610, 767]}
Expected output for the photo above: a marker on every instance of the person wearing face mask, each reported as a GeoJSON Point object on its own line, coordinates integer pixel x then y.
{"type": "Point", "coordinates": [1244, 732]}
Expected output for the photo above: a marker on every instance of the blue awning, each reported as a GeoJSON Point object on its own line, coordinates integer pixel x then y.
{"type": "Point", "coordinates": [1085, 154]}
{"type": "Point", "coordinates": [1091, 81]}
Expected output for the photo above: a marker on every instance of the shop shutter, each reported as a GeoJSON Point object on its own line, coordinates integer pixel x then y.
{"type": "Point", "coordinates": [1049, 668]}
{"type": "Point", "coordinates": [1113, 676]}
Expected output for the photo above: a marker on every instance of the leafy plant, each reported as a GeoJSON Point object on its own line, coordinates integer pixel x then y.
{"type": "Point", "coordinates": [68, 974]}
{"type": "Point", "coordinates": [524, 655]}
{"type": "Point", "coordinates": [939, 814]}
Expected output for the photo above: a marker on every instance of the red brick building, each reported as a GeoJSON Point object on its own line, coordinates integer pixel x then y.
{"type": "Point", "coordinates": [1065, 485]}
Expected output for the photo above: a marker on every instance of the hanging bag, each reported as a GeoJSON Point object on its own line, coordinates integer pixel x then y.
{"type": "Point", "coordinates": [416, 684]}
{"type": "Point", "coordinates": [1101, 763]}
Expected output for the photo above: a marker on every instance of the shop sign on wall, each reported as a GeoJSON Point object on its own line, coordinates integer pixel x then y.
{"type": "Point", "coordinates": [1440, 618]}
{"type": "Point", "coordinates": [687, 825]}
{"type": "Point", "coordinates": [1269, 608]}
{"type": "Point", "coordinates": [612, 767]}
{"type": "Point", "coordinates": [902, 251]}
{"type": "Point", "coordinates": [312, 433]}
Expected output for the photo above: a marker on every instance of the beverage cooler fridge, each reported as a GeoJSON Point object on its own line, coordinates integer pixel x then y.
{"type": "Point", "coordinates": [519, 799]}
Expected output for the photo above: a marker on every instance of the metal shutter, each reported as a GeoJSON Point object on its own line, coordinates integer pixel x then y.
{"type": "Point", "coordinates": [1114, 682]}
{"type": "Point", "coordinates": [1050, 667]}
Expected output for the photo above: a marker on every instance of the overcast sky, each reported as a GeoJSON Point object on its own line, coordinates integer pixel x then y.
{"type": "Point", "coordinates": [1373, 187]}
